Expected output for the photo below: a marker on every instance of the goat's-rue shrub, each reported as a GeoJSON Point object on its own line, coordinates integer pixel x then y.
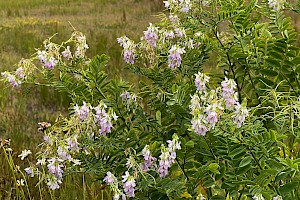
{"type": "Point", "coordinates": [182, 133]}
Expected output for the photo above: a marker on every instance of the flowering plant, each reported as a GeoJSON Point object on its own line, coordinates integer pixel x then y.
{"type": "Point", "coordinates": [184, 134]}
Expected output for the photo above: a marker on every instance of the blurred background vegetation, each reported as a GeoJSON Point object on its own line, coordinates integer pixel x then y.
{"type": "Point", "coordinates": [24, 25]}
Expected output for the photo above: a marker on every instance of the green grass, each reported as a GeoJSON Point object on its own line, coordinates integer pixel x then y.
{"type": "Point", "coordinates": [24, 25]}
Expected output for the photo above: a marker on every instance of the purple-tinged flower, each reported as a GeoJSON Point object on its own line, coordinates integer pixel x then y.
{"type": "Point", "coordinates": [169, 35]}
{"type": "Point", "coordinates": [164, 163]}
{"type": "Point", "coordinates": [228, 93]}
{"type": "Point", "coordinates": [82, 112]}
{"type": "Point", "coordinates": [240, 114]}
{"type": "Point", "coordinates": [11, 79]}
{"type": "Point", "coordinates": [104, 119]}
{"type": "Point", "coordinates": [148, 159]}
{"type": "Point", "coordinates": [129, 56]}
{"type": "Point", "coordinates": [174, 58]}
{"type": "Point", "coordinates": [73, 145]}
{"type": "Point", "coordinates": [129, 184]}
{"type": "Point", "coordinates": [110, 178]}
{"type": "Point", "coordinates": [63, 154]}
{"type": "Point", "coordinates": [129, 49]}
{"type": "Point", "coordinates": [200, 81]}
{"type": "Point", "coordinates": [125, 96]}
{"type": "Point", "coordinates": [47, 139]}
{"type": "Point", "coordinates": [179, 32]}
{"type": "Point", "coordinates": [53, 182]}
{"type": "Point", "coordinates": [185, 5]}
{"type": "Point", "coordinates": [29, 171]}
{"type": "Point", "coordinates": [50, 63]}
{"type": "Point", "coordinates": [20, 72]}
{"type": "Point", "coordinates": [81, 45]}
{"type": "Point", "coordinates": [199, 127]}
{"type": "Point", "coordinates": [67, 53]}
{"type": "Point", "coordinates": [174, 19]}
{"type": "Point", "coordinates": [277, 198]}
{"type": "Point", "coordinates": [42, 55]}
{"type": "Point", "coordinates": [151, 35]}
{"type": "Point", "coordinates": [276, 4]}
{"type": "Point", "coordinates": [55, 168]}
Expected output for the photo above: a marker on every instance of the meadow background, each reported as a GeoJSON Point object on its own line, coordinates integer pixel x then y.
{"type": "Point", "coordinates": [24, 25]}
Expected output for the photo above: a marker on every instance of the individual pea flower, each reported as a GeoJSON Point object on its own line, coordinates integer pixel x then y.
{"type": "Point", "coordinates": [47, 59]}
{"type": "Point", "coordinates": [47, 139]}
{"type": "Point", "coordinates": [200, 81]}
{"type": "Point", "coordinates": [173, 145]}
{"type": "Point", "coordinates": [212, 111]}
{"type": "Point", "coordinates": [53, 182]}
{"type": "Point", "coordinates": [81, 45]}
{"type": "Point", "coordinates": [24, 154]}
{"type": "Point", "coordinates": [277, 198]}
{"type": "Point", "coordinates": [55, 167]}
{"type": "Point", "coordinates": [240, 114]}
{"type": "Point", "coordinates": [13, 81]}
{"type": "Point", "coordinates": [41, 161]}
{"type": "Point", "coordinates": [182, 5]}
{"type": "Point", "coordinates": [110, 178]}
{"type": "Point", "coordinates": [185, 5]}
{"type": "Point", "coordinates": [129, 184]}
{"type": "Point", "coordinates": [228, 92]}
{"type": "Point", "coordinates": [190, 44]}
{"type": "Point", "coordinates": [174, 58]}
{"type": "Point", "coordinates": [199, 125]}
{"type": "Point", "coordinates": [258, 197]}
{"type": "Point", "coordinates": [148, 159]}
{"type": "Point", "coordinates": [63, 154]}
{"type": "Point", "coordinates": [29, 171]}
{"type": "Point", "coordinates": [151, 35]}
{"type": "Point", "coordinates": [276, 4]}
{"type": "Point", "coordinates": [125, 96]}
{"type": "Point", "coordinates": [82, 112]}
{"type": "Point", "coordinates": [104, 119]}
{"type": "Point", "coordinates": [67, 53]}
{"type": "Point", "coordinates": [72, 143]}
{"type": "Point", "coordinates": [129, 56]}
{"type": "Point", "coordinates": [164, 163]}
{"type": "Point", "coordinates": [179, 32]}
{"type": "Point", "coordinates": [205, 3]}
{"type": "Point", "coordinates": [20, 72]}
{"type": "Point", "coordinates": [195, 105]}
{"type": "Point", "coordinates": [169, 35]}
{"type": "Point", "coordinates": [175, 20]}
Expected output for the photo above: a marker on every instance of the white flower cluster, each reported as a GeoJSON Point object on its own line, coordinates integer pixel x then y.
{"type": "Point", "coordinates": [276, 4]}
{"type": "Point", "coordinates": [208, 106]}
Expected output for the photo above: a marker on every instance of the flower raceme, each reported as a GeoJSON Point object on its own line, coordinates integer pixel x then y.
{"type": "Point", "coordinates": [101, 117]}
{"type": "Point", "coordinates": [174, 58]}
{"type": "Point", "coordinates": [207, 107]}
{"type": "Point", "coordinates": [151, 35]}
{"type": "Point", "coordinates": [129, 49]}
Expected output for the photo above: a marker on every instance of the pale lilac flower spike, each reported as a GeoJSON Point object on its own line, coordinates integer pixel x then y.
{"type": "Point", "coordinates": [109, 178]}
{"type": "Point", "coordinates": [174, 58]}
{"type": "Point", "coordinates": [148, 159]}
{"type": "Point", "coordinates": [129, 184]}
{"type": "Point", "coordinates": [151, 35]}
